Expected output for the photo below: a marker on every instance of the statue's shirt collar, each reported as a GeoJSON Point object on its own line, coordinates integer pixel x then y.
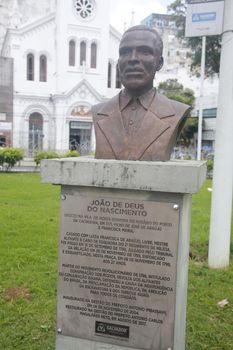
{"type": "Point", "coordinates": [145, 99]}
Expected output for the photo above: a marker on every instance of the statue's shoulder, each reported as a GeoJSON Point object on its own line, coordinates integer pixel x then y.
{"type": "Point", "coordinates": [96, 108]}
{"type": "Point", "coordinates": [178, 106]}
{"type": "Point", "coordinates": [106, 106]}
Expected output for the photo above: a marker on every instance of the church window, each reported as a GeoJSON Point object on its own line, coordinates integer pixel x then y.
{"type": "Point", "coordinates": [30, 66]}
{"type": "Point", "coordinates": [82, 52]}
{"type": "Point", "coordinates": [84, 8]}
{"type": "Point", "coordinates": [72, 53]}
{"type": "Point", "coordinates": [43, 68]}
{"type": "Point", "coordinates": [118, 82]}
{"type": "Point", "coordinates": [93, 55]}
{"type": "Point", "coordinates": [109, 75]}
{"type": "Point", "coordinates": [35, 137]}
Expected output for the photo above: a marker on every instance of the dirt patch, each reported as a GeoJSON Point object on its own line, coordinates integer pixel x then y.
{"type": "Point", "coordinates": [14, 293]}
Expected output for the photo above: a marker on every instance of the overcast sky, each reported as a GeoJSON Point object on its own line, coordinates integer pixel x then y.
{"type": "Point", "coordinates": [121, 10]}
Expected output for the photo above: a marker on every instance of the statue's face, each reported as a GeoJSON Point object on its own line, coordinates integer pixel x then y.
{"type": "Point", "coordinates": [139, 59]}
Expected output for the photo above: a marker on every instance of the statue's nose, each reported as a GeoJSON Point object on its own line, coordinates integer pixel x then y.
{"type": "Point", "coordinates": [134, 55]}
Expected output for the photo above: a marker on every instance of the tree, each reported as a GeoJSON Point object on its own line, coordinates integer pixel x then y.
{"type": "Point", "coordinates": [175, 91]}
{"type": "Point", "coordinates": [213, 50]}
{"type": "Point", "coordinates": [190, 128]}
{"type": "Point", "coordinates": [177, 10]}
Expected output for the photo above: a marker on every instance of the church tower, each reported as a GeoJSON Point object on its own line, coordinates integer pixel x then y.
{"type": "Point", "coordinates": [15, 16]}
{"type": "Point", "coordinates": [82, 42]}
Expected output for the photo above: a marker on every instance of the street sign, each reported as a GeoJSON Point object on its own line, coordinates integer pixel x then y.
{"type": "Point", "coordinates": [201, 1]}
{"type": "Point", "coordinates": [4, 126]}
{"type": "Point", "coordinates": [204, 17]}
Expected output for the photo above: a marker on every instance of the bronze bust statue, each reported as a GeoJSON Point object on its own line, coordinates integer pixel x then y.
{"type": "Point", "coordinates": [138, 123]}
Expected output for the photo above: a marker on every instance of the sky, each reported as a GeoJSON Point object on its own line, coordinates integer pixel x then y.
{"type": "Point", "coordinates": [121, 11]}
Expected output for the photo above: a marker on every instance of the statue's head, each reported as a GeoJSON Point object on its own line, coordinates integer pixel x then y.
{"type": "Point", "coordinates": [140, 57]}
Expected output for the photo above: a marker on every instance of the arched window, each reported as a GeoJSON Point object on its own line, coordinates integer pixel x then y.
{"type": "Point", "coordinates": [72, 53]}
{"type": "Point", "coordinates": [109, 75]}
{"type": "Point", "coordinates": [35, 136]}
{"type": "Point", "coordinates": [118, 82]}
{"type": "Point", "coordinates": [43, 68]}
{"type": "Point", "coordinates": [93, 55]}
{"type": "Point", "coordinates": [30, 66]}
{"type": "Point", "coordinates": [82, 52]}
{"type": "Point", "coordinates": [81, 130]}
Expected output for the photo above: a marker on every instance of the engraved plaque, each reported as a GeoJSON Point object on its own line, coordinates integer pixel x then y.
{"type": "Point", "coordinates": [117, 270]}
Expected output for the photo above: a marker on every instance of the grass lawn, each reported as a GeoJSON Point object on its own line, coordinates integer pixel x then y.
{"type": "Point", "coordinates": [29, 214]}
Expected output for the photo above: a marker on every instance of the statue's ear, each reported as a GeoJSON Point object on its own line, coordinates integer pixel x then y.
{"type": "Point", "coordinates": [159, 64]}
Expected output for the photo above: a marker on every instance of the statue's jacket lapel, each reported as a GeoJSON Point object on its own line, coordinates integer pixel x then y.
{"type": "Point", "coordinates": [112, 126]}
{"type": "Point", "coordinates": [153, 125]}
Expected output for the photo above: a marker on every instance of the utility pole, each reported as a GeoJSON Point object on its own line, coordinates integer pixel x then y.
{"type": "Point", "coordinates": [221, 208]}
{"type": "Point", "coordinates": [200, 117]}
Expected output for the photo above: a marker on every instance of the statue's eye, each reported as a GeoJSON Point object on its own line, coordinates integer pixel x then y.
{"type": "Point", "coordinates": [145, 50]}
{"type": "Point", "coordinates": [125, 51]}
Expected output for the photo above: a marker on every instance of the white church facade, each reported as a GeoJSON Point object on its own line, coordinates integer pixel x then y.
{"type": "Point", "coordinates": [64, 63]}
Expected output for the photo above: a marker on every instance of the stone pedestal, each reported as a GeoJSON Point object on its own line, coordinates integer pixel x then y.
{"type": "Point", "coordinates": [123, 251]}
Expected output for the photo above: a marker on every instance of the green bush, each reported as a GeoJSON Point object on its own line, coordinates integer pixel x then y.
{"type": "Point", "coordinates": [48, 155]}
{"type": "Point", "coordinates": [70, 154]}
{"type": "Point", "coordinates": [210, 165]}
{"type": "Point", "coordinates": [1, 157]}
{"type": "Point", "coordinates": [44, 155]}
{"type": "Point", "coordinates": [9, 156]}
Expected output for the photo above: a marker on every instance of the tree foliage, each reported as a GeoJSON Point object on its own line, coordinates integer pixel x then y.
{"type": "Point", "coordinates": [188, 131]}
{"type": "Point", "coordinates": [177, 10]}
{"type": "Point", "coordinates": [175, 91]}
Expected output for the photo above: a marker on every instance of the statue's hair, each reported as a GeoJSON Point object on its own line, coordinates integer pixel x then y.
{"type": "Point", "coordinates": [148, 29]}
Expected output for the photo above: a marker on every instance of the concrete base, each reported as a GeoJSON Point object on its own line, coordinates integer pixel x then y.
{"type": "Point", "coordinates": [173, 176]}
{"type": "Point", "coordinates": [171, 182]}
